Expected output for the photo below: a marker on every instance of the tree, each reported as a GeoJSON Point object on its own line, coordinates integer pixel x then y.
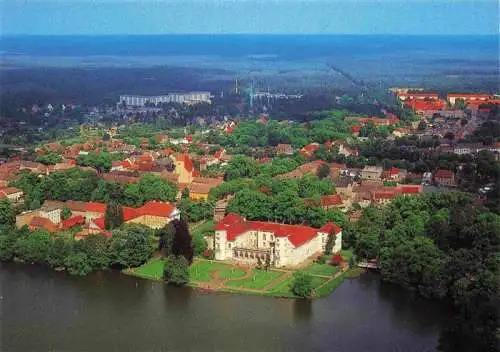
{"type": "Point", "coordinates": [166, 235]}
{"type": "Point", "coordinates": [8, 238]}
{"type": "Point", "coordinates": [7, 212]}
{"type": "Point", "coordinates": [323, 171]}
{"type": "Point", "coordinates": [182, 242]}
{"type": "Point", "coordinates": [176, 270]}
{"type": "Point", "coordinates": [241, 166]}
{"type": "Point", "coordinates": [185, 193]}
{"type": "Point", "coordinates": [58, 252]}
{"type": "Point", "coordinates": [50, 158]}
{"type": "Point", "coordinates": [302, 284]}
{"type": "Point", "coordinates": [330, 242]}
{"type": "Point", "coordinates": [130, 246]}
{"type": "Point", "coordinates": [77, 264]}
{"type": "Point", "coordinates": [96, 247]}
{"type": "Point", "coordinates": [66, 213]}
{"type": "Point", "coordinates": [34, 247]}
{"type": "Point", "coordinates": [114, 216]}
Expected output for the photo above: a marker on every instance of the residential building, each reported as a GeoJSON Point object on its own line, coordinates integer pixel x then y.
{"type": "Point", "coordinates": [15, 195]}
{"type": "Point", "coordinates": [468, 97]}
{"type": "Point", "coordinates": [372, 172]}
{"type": "Point", "coordinates": [51, 212]}
{"type": "Point", "coordinates": [445, 177]}
{"type": "Point", "coordinates": [184, 167]}
{"type": "Point", "coordinates": [201, 186]}
{"type": "Point", "coordinates": [246, 242]}
{"type": "Point", "coordinates": [284, 149]}
{"type": "Point", "coordinates": [308, 150]}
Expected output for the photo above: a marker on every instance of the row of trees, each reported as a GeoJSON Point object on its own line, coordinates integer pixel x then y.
{"type": "Point", "coordinates": [443, 246]}
{"type": "Point", "coordinates": [76, 184]}
{"type": "Point", "coordinates": [129, 246]}
{"type": "Point", "coordinates": [253, 134]}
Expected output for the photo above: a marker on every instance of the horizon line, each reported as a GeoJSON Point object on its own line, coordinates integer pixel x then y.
{"type": "Point", "coordinates": [247, 34]}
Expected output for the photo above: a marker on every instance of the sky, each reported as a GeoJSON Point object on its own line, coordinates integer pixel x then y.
{"type": "Point", "coordinates": [113, 17]}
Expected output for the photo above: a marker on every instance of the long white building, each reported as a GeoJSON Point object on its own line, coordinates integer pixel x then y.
{"type": "Point", "coordinates": [184, 98]}
{"type": "Point", "coordinates": [246, 242]}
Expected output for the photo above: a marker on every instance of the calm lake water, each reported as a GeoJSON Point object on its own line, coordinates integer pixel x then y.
{"type": "Point", "coordinates": [43, 310]}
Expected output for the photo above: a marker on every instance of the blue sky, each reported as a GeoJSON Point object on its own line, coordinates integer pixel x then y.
{"type": "Point", "coordinates": [249, 16]}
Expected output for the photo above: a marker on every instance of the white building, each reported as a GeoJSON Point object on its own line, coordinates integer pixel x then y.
{"type": "Point", "coordinates": [184, 98]}
{"type": "Point", "coordinates": [283, 245]}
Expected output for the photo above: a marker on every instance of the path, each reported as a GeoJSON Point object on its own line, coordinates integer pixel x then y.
{"type": "Point", "coordinates": [330, 279]}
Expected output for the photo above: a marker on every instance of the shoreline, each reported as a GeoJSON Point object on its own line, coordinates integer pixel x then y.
{"type": "Point", "coordinates": [278, 287]}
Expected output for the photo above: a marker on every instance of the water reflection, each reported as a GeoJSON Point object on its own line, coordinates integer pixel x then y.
{"type": "Point", "coordinates": [178, 298]}
{"type": "Point", "coordinates": [110, 311]}
{"type": "Point", "coordinates": [302, 310]}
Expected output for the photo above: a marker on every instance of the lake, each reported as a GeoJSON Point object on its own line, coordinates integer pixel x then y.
{"type": "Point", "coordinates": [43, 310]}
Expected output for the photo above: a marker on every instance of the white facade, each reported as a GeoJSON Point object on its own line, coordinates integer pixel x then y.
{"type": "Point", "coordinates": [252, 244]}
{"type": "Point", "coordinates": [185, 98]}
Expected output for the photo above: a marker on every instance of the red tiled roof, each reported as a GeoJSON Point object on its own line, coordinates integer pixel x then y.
{"type": "Point", "coordinates": [330, 227]}
{"type": "Point", "coordinates": [99, 223]}
{"type": "Point", "coordinates": [385, 194]}
{"type": "Point", "coordinates": [334, 199]}
{"type": "Point", "coordinates": [188, 163]}
{"type": "Point", "coordinates": [356, 128]}
{"type": "Point", "coordinates": [393, 171]}
{"type": "Point", "coordinates": [127, 164]}
{"type": "Point", "coordinates": [411, 189]}
{"type": "Point", "coordinates": [425, 105]}
{"type": "Point", "coordinates": [235, 225]}
{"type": "Point", "coordinates": [443, 173]}
{"type": "Point", "coordinates": [154, 208]}
{"type": "Point", "coordinates": [95, 207]}
{"type": "Point", "coordinates": [39, 222]}
{"type": "Point", "coordinates": [9, 190]}
{"type": "Point", "coordinates": [72, 222]}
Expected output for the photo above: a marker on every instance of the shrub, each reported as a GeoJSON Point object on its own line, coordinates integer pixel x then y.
{"type": "Point", "coordinates": [302, 284]}
{"type": "Point", "coordinates": [176, 270]}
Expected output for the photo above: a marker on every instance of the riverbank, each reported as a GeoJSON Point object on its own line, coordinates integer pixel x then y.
{"type": "Point", "coordinates": [218, 276]}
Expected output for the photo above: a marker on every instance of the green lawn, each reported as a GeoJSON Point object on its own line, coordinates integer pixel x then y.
{"type": "Point", "coordinates": [347, 253]}
{"type": "Point", "coordinates": [330, 286]}
{"type": "Point", "coordinates": [203, 228]}
{"type": "Point", "coordinates": [200, 271]}
{"type": "Point", "coordinates": [283, 288]}
{"type": "Point", "coordinates": [259, 280]}
{"type": "Point", "coordinates": [321, 269]}
{"type": "Point", "coordinates": [318, 281]}
{"type": "Point", "coordinates": [153, 269]}
{"type": "Point", "coordinates": [230, 273]}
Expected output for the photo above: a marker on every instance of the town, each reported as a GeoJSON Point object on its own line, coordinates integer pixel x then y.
{"type": "Point", "coordinates": [265, 201]}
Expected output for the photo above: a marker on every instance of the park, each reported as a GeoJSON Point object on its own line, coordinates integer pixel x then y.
{"type": "Point", "coordinates": [239, 279]}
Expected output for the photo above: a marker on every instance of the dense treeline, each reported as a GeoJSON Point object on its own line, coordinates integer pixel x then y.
{"type": "Point", "coordinates": [326, 126]}
{"type": "Point", "coordinates": [272, 199]}
{"type": "Point", "coordinates": [129, 246]}
{"type": "Point", "coordinates": [443, 246]}
{"type": "Point", "coordinates": [77, 184]}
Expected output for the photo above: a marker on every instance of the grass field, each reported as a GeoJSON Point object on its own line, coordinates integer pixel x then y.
{"type": "Point", "coordinates": [230, 278]}
{"type": "Point", "coordinates": [321, 269]}
{"type": "Point", "coordinates": [153, 269]}
{"type": "Point", "coordinates": [283, 289]}
{"type": "Point", "coordinates": [330, 286]}
{"type": "Point", "coordinates": [259, 280]}
{"type": "Point", "coordinates": [231, 273]}
{"type": "Point", "coordinates": [200, 270]}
